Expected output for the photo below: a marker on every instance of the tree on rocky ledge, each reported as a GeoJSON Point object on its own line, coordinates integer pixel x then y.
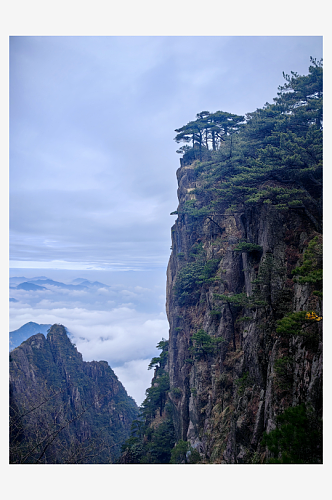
{"type": "Point", "coordinates": [209, 128]}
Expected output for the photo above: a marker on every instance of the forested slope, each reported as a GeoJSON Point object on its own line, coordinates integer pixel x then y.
{"type": "Point", "coordinates": [240, 379]}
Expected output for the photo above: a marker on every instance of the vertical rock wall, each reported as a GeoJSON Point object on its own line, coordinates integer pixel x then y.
{"type": "Point", "coordinates": [231, 396]}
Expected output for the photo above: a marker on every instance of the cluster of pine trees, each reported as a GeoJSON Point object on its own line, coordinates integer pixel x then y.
{"type": "Point", "coordinates": [208, 129]}
{"type": "Point", "coordinates": [147, 443]}
{"type": "Point", "coordinates": [272, 155]}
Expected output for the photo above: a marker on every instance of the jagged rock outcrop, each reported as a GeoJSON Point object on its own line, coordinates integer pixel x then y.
{"type": "Point", "coordinates": [233, 392]}
{"type": "Point", "coordinates": [63, 409]}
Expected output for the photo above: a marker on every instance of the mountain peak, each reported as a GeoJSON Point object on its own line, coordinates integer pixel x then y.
{"type": "Point", "coordinates": [61, 346]}
{"type": "Point", "coordinates": [50, 380]}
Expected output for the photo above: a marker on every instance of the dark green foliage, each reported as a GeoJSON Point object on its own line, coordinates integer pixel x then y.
{"type": "Point", "coordinates": [189, 208]}
{"type": "Point", "coordinates": [179, 452]}
{"type": "Point", "coordinates": [176, 391]}
{"type": "Point", "coordinates": [301, 322]}
{"type": "Point", "coordinates": [243, 382]}
{"type": "Point", "coordinates": [156, 396]}
{"type": "Point", "coordinates": [163, 346]}
{"type": "Point", "coordinates": [185, 285]}
{"type": "Point", "coordinates": [189, 361]}
{"type": "Point", "coordinates": [240, 300]}
{"type": "Point", "coordinates": [292, 324]}
{"type": "Point", "coordinates": [311, 269]}
{"type": "Point", "coordinates": [149, 445]}
{"type": "Point", "coordinates": [274, 158]}
{"type": "Point", "coordinates": [243, 319]}
{"type": "Point", "coordinates": [283, 368]}
{"type": "Point", "coordinates": [209, 271]}
{"type": "Point", "coordinates": [161, 443]}
{"type": "Point", "coordinates": [203, 344]}
{"type": "Point", "coordinates": [297, 323]}
{"type": "Point", "coordinates": [297, 438]}
{"type": "Point", "coordinates": [208, 128]}
{"type": "Point", "coordinates": [192, 275]}
{"type": "Point", "coordinates": [152, 444]}
{"type": "Point", "coordinates": [215, 313]}
{"type": "Point", "coordinates": [160, 361]}
{"type": "Point", "coordinates": [269, 286]}
{"type": "Point", "coordinates": [133, 448]}
{"type": "Point", "coordinates": [154, 362]}
{"type": "Point", "coordinates": [248, 247]}
{"type": "Point", "coordinates": [184, 453]}
{"type": "Point", "coordinates": [197, 251]}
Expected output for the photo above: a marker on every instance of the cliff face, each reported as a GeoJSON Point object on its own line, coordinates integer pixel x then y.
{"type": "Point", "coordinates": [65, 410]}
{"type": "Point", "coordinates": [233, 364]}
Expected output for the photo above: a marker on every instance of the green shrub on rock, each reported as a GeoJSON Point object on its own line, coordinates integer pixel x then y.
{"type": "Point", "coordinates": [248, 247]}
{"type": "Point", "coordinates": [297, 438]}
{"type": "Point", "coordinates": [203, 344]}
{"type": "Point", "coordinates": [184, 453]}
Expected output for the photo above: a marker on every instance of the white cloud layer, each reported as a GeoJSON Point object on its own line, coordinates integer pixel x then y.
{"type": "Point", "coordinates": [123, 337]}
{"type": "Point", "coordinates": [123, 334]}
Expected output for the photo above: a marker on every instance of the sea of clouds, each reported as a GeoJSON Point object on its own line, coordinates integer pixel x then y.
{"type": "Point", "coordinates": [119, 321]}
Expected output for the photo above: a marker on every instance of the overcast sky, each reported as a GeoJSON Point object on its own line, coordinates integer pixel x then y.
{"type": "Point", "coordinates": [92, 170]}
{"type": "Point", "coordinates": [92, 119]}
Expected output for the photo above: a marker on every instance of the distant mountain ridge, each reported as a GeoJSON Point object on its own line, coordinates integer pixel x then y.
{"type": "Point", "coordinates": [41, 282]}
{"type": "Point", "coordinates": [57, 284]}
{"type": "Point", "coordinates": [30, 286]}
{"type": "Point", "coordinates": [19, 279]}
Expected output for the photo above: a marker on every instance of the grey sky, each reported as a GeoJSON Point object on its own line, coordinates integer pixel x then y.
{"type": "Point", "coordinates": [92, 119]}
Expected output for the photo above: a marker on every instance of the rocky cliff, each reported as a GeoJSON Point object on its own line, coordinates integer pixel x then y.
{"type": "Point", "coordinates": [244, 289]}
{"type": "Point", "coordinates": [62, 409]}
{"type": "Point", "coordinates": [230, 279]}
